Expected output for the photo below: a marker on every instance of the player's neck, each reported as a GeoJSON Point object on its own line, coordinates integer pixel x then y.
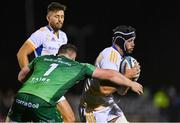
{"type": "Point", "coordinates": [55, 31]}
{"type": "Point", "coordinates": [66, 55]}
{"type": "Point", "coordinates": [119, 49]}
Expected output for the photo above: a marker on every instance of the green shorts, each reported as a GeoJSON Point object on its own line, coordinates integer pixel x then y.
{"type": "Point", "coordinates": [27, 107]}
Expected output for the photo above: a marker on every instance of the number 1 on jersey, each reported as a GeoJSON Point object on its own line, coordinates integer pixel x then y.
{"type": "Point", "coordinates": [52, 67]}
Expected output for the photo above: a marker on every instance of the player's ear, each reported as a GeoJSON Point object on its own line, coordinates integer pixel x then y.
{"type": "Point", "coordinates": [47, 17]}
{"type": "Point", "coordinates": [71, 55]}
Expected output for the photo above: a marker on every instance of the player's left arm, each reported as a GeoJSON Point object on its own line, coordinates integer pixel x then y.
{"type": "Point", "coordinates": [26, 69]}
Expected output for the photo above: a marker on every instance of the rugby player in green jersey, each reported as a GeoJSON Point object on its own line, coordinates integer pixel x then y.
{"type": "Point", "coordinates": [51, 77]}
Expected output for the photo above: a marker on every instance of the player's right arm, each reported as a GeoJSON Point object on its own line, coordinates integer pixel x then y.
{"type": "Point", "coordinates": [118, 78]}
{"type": "Point", "coordinates": [26, 69]}
{"type": "Point", "coordinates": [23, 73]}
{"type": "Point", "coordinates": [22, 55]}
{"type": "Point", "coordinates": [33, 42]}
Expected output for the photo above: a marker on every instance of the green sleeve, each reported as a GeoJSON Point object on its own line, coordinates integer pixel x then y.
{"type": "Point", "coordinates": [89, 69]}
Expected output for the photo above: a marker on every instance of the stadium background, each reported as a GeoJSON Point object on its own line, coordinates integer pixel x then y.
{"type": "Point", "coordinates": [88, 25]}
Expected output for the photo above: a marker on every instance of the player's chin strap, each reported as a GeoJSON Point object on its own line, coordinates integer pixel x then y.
{"type": "Point", "coordinates": [120, 41]}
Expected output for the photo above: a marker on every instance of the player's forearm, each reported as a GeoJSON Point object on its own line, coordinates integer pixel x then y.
{"type": "Point", "coordinates": [22, 59]}
{"type": "Point", "coordinates": [23, 53]}
{"type": "Point", "coordinates": [112, 76]}
{"type": "Point", "coordinates": [120, 79]}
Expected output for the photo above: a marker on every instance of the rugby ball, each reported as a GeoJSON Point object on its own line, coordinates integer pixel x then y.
{"type": "Point", "coordinates": [127, 63]}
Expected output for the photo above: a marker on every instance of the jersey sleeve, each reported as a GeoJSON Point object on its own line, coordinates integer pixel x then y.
{"type": "Point", "coordinates": [89, 69]}
{"type": "Point", "coordinates": [36, 38]}
{"type": "Point", "coordinates": [64, 36]}
{"type": "Point", "coordinates": [106, 64]}
{"type": "Point", "coordinates": [110, 61]}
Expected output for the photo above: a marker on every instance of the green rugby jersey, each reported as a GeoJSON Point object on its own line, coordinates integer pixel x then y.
{"type": "Point", "coordinates": [53, 75]}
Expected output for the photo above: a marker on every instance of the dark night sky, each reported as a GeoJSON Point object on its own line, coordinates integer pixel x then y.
{"type": "Point", "coordinates": [157, 42]}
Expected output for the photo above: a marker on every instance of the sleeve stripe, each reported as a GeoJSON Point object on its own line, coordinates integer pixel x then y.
{"type": "Point", "coordinates": [113, 57]}
{"type": "Point", "coordinates": [30, 43]}
{"type": "Point", "coordinates": [116, 58]}
{"type": "Point", "coordinates": [110, 56]}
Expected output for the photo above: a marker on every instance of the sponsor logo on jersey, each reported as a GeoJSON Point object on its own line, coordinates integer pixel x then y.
{"type": "Point", "coordinates": [27, 104]}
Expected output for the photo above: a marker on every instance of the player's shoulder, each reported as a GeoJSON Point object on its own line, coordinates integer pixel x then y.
{"type": "Point", "coordinates": [62, 33]}
{"type": "Point", "coordinates": [110, 51]}
{"type": "Point", "coordinates": [86, 64]}
{"type": "Point", "coordinates": [107, 49]}
{"type": "Point", "coordinates": [43, 29]}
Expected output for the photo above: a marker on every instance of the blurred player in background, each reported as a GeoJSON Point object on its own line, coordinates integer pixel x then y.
{"type": "Point", "coordinates": [97, 104]}
{"type": "Point", "coordinates": [46, 41]}
{"type": "Point", "coordinates": [51, 78]}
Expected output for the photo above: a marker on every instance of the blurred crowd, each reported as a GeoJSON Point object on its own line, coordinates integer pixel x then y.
{"type": "Point", "coordinates": [161, 105]}
{"type": "Point", "coordinates": [6, 99]}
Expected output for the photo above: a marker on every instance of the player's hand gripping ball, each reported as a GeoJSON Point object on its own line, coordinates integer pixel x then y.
{"type": "Point", "coordinates": [127, 63]}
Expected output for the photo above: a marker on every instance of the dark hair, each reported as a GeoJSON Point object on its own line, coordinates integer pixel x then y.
{"type": "Point", "coordinates": [55, 6]}
{"type": "Point", "coordinates": [67, 47]}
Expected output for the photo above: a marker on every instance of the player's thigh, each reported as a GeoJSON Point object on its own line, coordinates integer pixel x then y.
{"type": "Point", "coordinates": [33, 108]}
{"type": "Point", "coordinates": [47, 113]}
{"type": "Point", "coordinates": [65, 109]}
{"type": "Point", "coordinates": [44, 111]}
{"type": "Point", "coordinates": [18, 109]}
{"type": "Point", "coordinates": [14, 115]}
